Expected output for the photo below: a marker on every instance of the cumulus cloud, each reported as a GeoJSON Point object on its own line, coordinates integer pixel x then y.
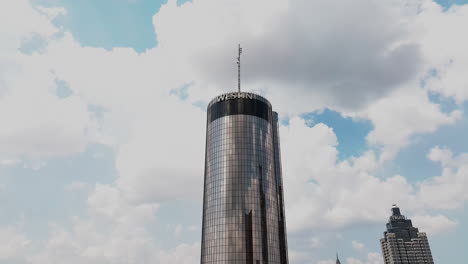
{"type": "Point", "coordinates": [338, 194]}
{"type": "Point", "coordinates": [412, 113]}
{"type": "Point", "coordinates": [297, 256]}
{"type": "Point", "coordinates": [15, 29]}
{"type": "Point", "coordinates": [357, 245]}
{"type": "Point", "coordinates": [178, 231]}
{"type": "Point", "coordinates": [447, 190]}
{"type": "Point", "coordinates": [9, 163]}
{"type": "Point", "coordinates": [162, 154]}
{"type": "Point", "coordinates": [315, 242]}
{"type": "Point", "coordinates": [329, 261]}
{"type": "Point", "coordinates": [302, 55]}
{"type": "Point", "coordinates": [372, 258]}
{"type": "Point", "coordinates": [117, 231]}
{"type": "Point", "coordinates": [434, 225]}
{"type": "Point", "coordinates": [12, 243]}
{"type": "Point", "coordinates": [335, 57]}
{"type": "Point", "coordinates": [36, 124]}
{"type": "Point", "coordinates": [446, 61]}
{"type": "Point", "coordinates": [40, 126]}
{"type": "Point", "coordinates": [335, 194]}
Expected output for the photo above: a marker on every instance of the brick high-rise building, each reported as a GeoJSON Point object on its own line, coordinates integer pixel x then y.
{"type": "Point", "coordinates": [403, 243]}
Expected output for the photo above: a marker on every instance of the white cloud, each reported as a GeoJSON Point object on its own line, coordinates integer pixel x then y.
{"type": "Point", "coordinates": [327, 66]}
{"type": "Point", "coordinates": [411, 113]}
{"type": "Point", "coordinates": [372, 258]}
{"type": "Point", "coordinates": [446, 191]}
{"type": "Point", "coordinates": [90, 245]}
{"type": "Point", "coordinates": [315, 242]}
{"type": "Point", "coordinates": [9, 163]}
{"type": "Point", "coordinates": [116, 231]}
{"type": "Point", "coordinates": [445, 157]}
{"type": "Point", "coordinates": [353, 261]}
{"type": "Point", "coordinates": [335, 58]}
{"type": "Point", "coordinates": [324, 67]}
{"type": "Point", "coordinates": [36, 124]}
{"type": "Point", "coordinates": [109, 203]}
{"type": "Point", "coordinates": [42, 126]}
{"type": "Point", "coordinates": [334, 194]}
{"type": "Point", "coordinates": [329, 261]}
{"type": "Point", "coordinates": [178, 231]}
{"type": "Point", "coordinates": [444, 49]}
{"type": "Point", "coordinates": [434, 225]}
{"type": "Point", "coordinates": [337, 194]}
{"type": "Point", "coordinates": [171, 65]}
{"type": "Point", "coordinates": [297, 256]}
{"type": "Point", "coordinates": [163, 161]}
{"type": "Point", "coordinates": [14, 29]}
{"type": "Point", "coordinates": [12, 243]}
{"type": "Point", "coordinates": [193, 228]}
{"type": "Point", "coordinates": [357, 245]}
{"type": "Point", "coordinates": [182, 254]}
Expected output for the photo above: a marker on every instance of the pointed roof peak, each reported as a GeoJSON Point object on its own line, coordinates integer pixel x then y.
{"type": "Point", "coordinates": [337, 259]}
{"type": "Point", "coordinates": [396, 213]}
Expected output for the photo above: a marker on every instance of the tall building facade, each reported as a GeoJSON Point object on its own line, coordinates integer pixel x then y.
{"type": "Point", "coordinates": [403, 243]}
{"type": "Point", "coordinates": [243, 205]}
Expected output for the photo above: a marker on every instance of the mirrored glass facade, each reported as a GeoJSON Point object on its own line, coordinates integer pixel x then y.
{"type": "Point", "coordinates": [243, 207]}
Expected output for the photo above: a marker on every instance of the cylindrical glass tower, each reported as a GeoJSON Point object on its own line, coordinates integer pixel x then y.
{"type": "Point", "coordinates": [243, 208]}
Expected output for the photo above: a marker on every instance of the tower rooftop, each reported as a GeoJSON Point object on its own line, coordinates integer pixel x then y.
{"type": "Point", "coordinates": [238, 95]}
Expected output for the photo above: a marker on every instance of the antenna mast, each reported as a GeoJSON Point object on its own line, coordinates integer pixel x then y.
{"type": "Point", "coordinates": [238, 69]}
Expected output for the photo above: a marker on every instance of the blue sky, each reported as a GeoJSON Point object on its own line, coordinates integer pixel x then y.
{"type": "Point", "coordinates": [109, 23]}
{"type": "Point", "coordinates": [351, 133]}
{"type": "Point", "coordinates": [448, 3]}
{"type": "Point", "coordinates": [102, 150]}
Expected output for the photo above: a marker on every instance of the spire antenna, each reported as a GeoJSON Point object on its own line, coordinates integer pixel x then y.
{"type": "Point", "coordinates": [238, 69]}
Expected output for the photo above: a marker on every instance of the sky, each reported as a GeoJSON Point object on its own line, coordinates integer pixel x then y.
{"type": "Point", "coordinates": [103, 111]}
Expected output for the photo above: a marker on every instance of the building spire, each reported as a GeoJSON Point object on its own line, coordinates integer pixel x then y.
{"type": "Point", "coordinates": [337, 259]}
{"type": "Point", "coordinates": [238, 69]}
{"type": "Point", "coordinates": [396, 213]}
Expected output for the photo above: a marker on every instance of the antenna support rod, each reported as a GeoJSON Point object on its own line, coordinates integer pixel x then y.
{"type": "Point", "coordinates": [238, 69]}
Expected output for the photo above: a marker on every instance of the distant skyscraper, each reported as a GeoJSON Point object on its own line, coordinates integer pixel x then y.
{"type": "Point", "coordinates": [403, 243]}
{"type": "Point", "coordinates": [337, 259]}
{"type": "Point", "coordinates": [243, 208]}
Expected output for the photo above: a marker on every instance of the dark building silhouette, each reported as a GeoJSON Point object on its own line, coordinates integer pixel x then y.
{"type": "Point", "coordinates": [403, 243]}
{"type": "Point", "coordinates": [243, 207]}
